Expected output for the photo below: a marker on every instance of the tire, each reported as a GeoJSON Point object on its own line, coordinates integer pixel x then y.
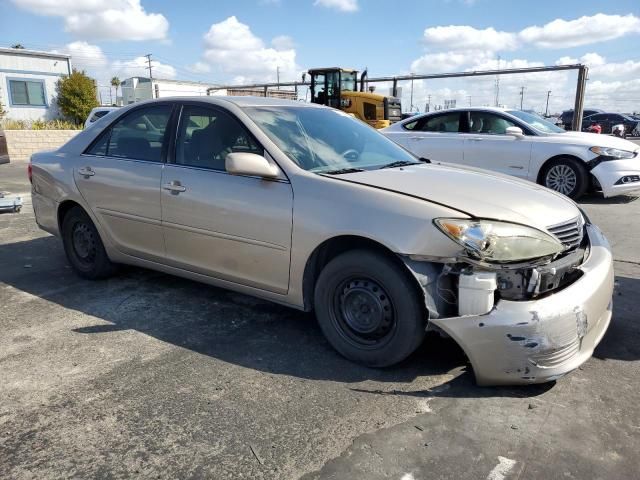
{"type": "Point", "coordinates": [83, 246]}
{"type": "Point", "coordinates": [566, 175]}
{"type": "Point", "coordinates": [369, 308]}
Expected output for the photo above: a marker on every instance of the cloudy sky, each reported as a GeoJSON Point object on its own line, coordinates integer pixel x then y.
{"type": "Point", "coordinates": [238, 41]}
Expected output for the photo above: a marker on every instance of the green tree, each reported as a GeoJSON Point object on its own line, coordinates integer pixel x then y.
{"type": "Point", "coordinates": [76, 95]}
{"type": "Point", "coordinates": [115, 82]}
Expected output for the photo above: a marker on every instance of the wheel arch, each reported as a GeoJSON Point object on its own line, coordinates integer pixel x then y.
{"type": "Point", "coordinates": [64, 208]}
{"type": "Point", "coordinates": [331, 248]}
{"type": "Point", "coordinates": [545, 165]}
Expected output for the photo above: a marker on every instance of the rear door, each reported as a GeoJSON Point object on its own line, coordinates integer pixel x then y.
{"type": "Point", "coordinates": [119, 177]}
{"type": "Point", "coordinates": [233, 227]}
{"type": "Point", "coordinates": [436, 137]}
{"type": "Point", "coordinates": [487, 145]}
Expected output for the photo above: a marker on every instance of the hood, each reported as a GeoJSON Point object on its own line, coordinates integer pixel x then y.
{"type": "Point", "coordinates": [598, 140]}
{"type": "Point", "coordinates": [473, 191]}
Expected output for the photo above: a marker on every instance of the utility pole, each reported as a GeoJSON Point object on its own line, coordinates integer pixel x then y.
{"type": "Point", "coordinates": [546, 110]}
{"type": "Point", "coordinates": [469, 98]}
{"type": "Point", "coordinates": [521, 96]}
{"type": "Point", "coordinates": [498, 85]}
{"type": "Point", "coordinates": [278, 76]}
{"type": "Point", "coordinates": [428, 107]}
{"type": "Point", "coordinates": [148, 55]}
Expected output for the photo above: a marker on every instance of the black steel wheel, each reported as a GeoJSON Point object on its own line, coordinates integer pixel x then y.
{"type": "Point", "coordinates": [370, 308]}
{"type": "Point", "coordinates": [83, 246]}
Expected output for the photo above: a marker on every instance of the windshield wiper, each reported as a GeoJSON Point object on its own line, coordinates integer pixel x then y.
{"type": "Point", "coordinates": [343, 170]}
{"type": "Point", "coordinates": [399, 163]}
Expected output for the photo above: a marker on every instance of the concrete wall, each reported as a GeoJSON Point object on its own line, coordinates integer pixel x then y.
{"type": "Point", "coordinates": [22, 143]}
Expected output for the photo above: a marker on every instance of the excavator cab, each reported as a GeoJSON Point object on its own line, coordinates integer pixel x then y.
{"type": "Point", "coordinates": [338, 88]}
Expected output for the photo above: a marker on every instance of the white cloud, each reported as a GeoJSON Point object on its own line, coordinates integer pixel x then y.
{"type": "Point", "coordinates": [464, 37]}
{"type": "Point", "coordinates": [199, 67]}
{"type": "Point", "coordinates": [341, 5]}
{"type": "Point", "coordinates": [85, 56]}
{"type": "Point", "coordinates": [282, 42]}
{"type": "Point", "coordinates": [231, 48]}
{"type": "Point", "coordinates": [447, 61]}
{"type": "Point", "coordinates": [138, 67]}
{"type": "Point", "coordinates": [562, 33]}
{"type": "Point", "coordinates": [95, 19]}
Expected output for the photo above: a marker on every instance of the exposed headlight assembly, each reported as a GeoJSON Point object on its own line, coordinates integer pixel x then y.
{"type": "Point", "coordinates": [496, 241]}
{"type": "Point", "coordinates": [612, 152]}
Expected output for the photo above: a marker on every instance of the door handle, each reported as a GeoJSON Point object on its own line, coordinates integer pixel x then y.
{"type": "Point", "coordinates": [86, 172]}
{"type": "Point", "coordinates": [416, 138]}
{"type": "Point", "coordinates": [174, 187]}
{"type": "Point", "coordinates": [476, 139]}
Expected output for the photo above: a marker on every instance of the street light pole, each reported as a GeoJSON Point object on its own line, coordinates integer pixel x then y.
{"type": "Point", "coordinates": [546, 110]}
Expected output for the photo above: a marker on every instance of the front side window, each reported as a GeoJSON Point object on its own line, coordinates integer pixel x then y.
{"type": "Point", "coordinates": [324, 140]}
{"type": "Point", "coordinates": [27, 93]}
{"type": "Point", "coordinates": [488, 123]}
{"type": "Point", "coordinates": [206, 136]}
{"type": "Point", "coordinates": [139, 135]}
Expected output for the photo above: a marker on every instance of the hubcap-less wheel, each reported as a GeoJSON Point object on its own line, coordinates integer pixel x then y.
{"type": "Point", "coordinates": [363, 313]}
{"type": "Point", "coordinates": [561, 178]}
{"type": "Point", "coordinates": [84, 243]}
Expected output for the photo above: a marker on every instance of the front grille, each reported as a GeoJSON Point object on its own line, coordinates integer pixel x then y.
{"type": "Point", "coordinates": [569, 233]}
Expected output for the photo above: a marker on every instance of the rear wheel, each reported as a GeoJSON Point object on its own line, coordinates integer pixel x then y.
{"type": "Point", "coordinates": [369, 308]}
{"type": "Point", "coordinates": [83, 246]}
{"type": "Point", "coordinates": [567, 176]}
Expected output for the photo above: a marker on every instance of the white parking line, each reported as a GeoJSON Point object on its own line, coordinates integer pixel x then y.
{"type": "Point", "coordinates": [503, 468]}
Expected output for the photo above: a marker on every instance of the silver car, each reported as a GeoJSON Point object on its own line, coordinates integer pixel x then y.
{"type": "Point", "coordinates": [308, 207]}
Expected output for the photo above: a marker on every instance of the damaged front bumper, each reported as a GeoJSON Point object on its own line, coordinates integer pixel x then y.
{"type": "Point", "coordinates": [618, 177]}
{"type": "Point", "coordinates": [535, 341]}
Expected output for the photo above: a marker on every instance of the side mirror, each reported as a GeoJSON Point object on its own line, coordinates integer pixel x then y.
{"type": "Point", "coordinates": [514, 131]}
{"type": "Point", "coordinates": [241, 163]}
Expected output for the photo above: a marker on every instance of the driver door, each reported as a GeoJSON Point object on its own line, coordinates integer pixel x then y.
{"type": "Point", "coordinates": [487, 145]}
{"type": "Point", "coordinates": [232, 227]}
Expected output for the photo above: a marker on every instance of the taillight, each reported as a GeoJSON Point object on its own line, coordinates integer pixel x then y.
{"type": "Point", "coordinates": [30, 172]}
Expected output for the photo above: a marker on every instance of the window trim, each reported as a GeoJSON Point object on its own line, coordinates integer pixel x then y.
{"type": "Point", "coordinates": [24, 79]}
{"type": "Point", "coordinates": [165, 141]}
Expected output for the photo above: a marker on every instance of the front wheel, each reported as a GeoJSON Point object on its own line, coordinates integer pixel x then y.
{"type": "Point", "coordinates": [567, 176]}
{"type": "Point", "coordinates": [369, 308]}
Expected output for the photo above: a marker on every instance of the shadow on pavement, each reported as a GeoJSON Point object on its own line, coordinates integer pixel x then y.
{"type": "Point", "coordinates": [598, 199]}
{"type": "Point", "coordinates": [243, 330]}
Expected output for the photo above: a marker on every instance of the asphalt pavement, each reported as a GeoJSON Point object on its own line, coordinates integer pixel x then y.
{"type": "Point", "coordinates": [146, 375]}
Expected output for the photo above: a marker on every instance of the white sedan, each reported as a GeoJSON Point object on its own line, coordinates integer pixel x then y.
{"type": "Point", "coordinates": [518, 143]}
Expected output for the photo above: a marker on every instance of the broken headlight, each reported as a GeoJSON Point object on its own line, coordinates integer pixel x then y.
{"type": "Point", "coordinates": [495, 241]}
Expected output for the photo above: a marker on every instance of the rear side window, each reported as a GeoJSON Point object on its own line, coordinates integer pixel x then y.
{"type": "Point", "coordinates": [140, 135]}
{"type": "Point", "coordinates": [448, 122]}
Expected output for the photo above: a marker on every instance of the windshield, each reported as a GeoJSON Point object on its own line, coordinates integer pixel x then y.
{"type": "Point", "coordinates": [323, 140]}
{"type": "Point", "coordinates": [536, 122]}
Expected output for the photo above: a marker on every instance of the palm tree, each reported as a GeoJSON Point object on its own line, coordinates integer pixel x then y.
{"type": "Point", "coordinates": [115, 82]}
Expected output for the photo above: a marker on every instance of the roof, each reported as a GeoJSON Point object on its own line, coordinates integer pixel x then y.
{"type": "Point", "coordinates": [243, 101]}
{"type": "Point", "coordinates": [333, 68]}
{"type": "Point", "coordinates": [33, 53]}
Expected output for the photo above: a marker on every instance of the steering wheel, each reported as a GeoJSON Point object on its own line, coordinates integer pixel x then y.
{"type": "Point", "coordinates": [351, 154]}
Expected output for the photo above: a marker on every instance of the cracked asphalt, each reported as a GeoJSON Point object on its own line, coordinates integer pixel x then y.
{"type": "Point", "coordinates": [151, 376]}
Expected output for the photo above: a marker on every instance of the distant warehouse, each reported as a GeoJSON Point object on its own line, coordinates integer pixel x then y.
{"type": "Point", "coordinates": [136, 89]}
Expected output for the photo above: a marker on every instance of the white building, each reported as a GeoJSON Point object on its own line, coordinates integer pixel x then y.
{"type": "Point", "coordinates": [28, 82]}
{"type": "Point", "coordinates": [135, 89]}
